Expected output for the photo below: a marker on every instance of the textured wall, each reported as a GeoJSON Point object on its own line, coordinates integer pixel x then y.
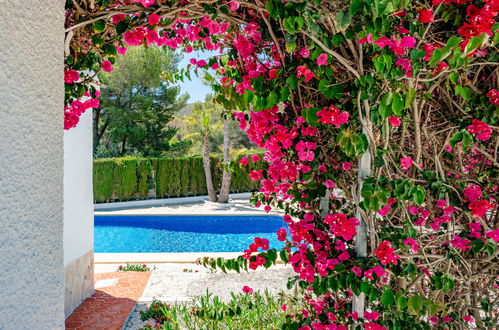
{"type": "Point", "coordinates": [31, 164]}
{"type": "Point", "coordinates": [78, 213]}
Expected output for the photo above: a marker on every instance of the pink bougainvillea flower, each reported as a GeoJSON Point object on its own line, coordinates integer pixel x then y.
{"type": "Point", "coordinates": [346, 166]}
{"type": "Point", "coordinates": [468, 318]}
{"type": "Point", "coordinates": [386, 253]}
{"type": "Point", "coordinates": [121, 50]}
{"type": "Point", "coordinates": [411, 242]}
{"type": "Point", "coordinates": [394, 121]}
{"type": "Point", "coordinates": [342, 226]}
{"type": "Point", "coordinates": [408, 42]}
{"type": "Point", "coordinates": [405, 163]}
{"type": "Point", "coordinates": [382, 42]}
{"type": "Point", "coordinates": [493, 235]}
{"type": "Point", "coordinates": [256, 175]}
{"type": "Point", "coordinates": [154, 19]}
{"type": "Point", "coordinates": [441, 203]}
{"type": "Point", "coordinates": [460, 243]}
{"type": "Point", "coordinates": [493, 95]}
{"type": "Point", "coordinates": [357, 271]}
{"type": "Point", "coordinates": [371, 316]}
{"type": "Point", "coordinates": [70, 76]}
{"type": "Point", "coordinates": [244, 161]}
{"type": "Point", "coordinates": [267, 208]}
{"type": "Point", "coordinates": [481, 129]}
{"type": "Point", "coordinates": [446, 319]}
{"type": "Point", "coordinates": [333, 115]}
{"type": "Point", "coordinates": [234, 5]}
{"type": "Point", "coordinates": [368, 39]}
{"type": "Point", "coordinates": [434, 319]}
{"type": "Point", "coordinates": [117, 18]}
{"type": "Point", "coordinates": [189, 49]}
{"type": "Point", "coordinates": [145, 3]}
{"type": "Point", "coordinates": [425, 15]}
{"type": "Point", "coordinates": [322, 59]}
{"type": "Point", "coordinates": [193, 61]}
{"type": "Point", "coordinates": [480, 208]}
{"type": "Point", "coordinates": [281, 234]}
{"type": "Point", "coordinates": [373, 326]}
{"type": "Point", "coordinates": [329, 184]}
{"type": "Point", "coordinates": [255, 158]}
{"type": "Point", "coordinates": [303, 71]}
{"type": "Point", "coordinates": [472, 192]}
{"type": "Point", "coordinates": [305, 52]}
{"type": "Point", "coordinates": [107, 66]}
{"type": "Point", "coordinates": [384, 211]}
{"type": "Point", "coordinates": [247, 289]}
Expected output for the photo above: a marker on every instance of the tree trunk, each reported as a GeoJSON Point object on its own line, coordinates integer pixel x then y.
{"type": "Point", "coordinates": [364, 171]}
{"type": "Point", "coordinates": [207, 170]}
{"type": "Point", "coordinates": [225, 188]}
{"type": "Point", "coordinates": [123, 147]}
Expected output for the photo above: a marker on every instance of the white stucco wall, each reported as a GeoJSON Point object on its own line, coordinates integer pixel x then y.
{"type": "Point", "coordinates": [31, 164]}
{"type": "Point", "coordinates": [78, 191]}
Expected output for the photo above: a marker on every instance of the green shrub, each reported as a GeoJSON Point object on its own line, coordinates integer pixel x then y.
{"type": "Point", "coordinates": [144, 172]}
{"type": "Point", "coordinates": [243, 311]}
{"type": "Point", "coordinates": [131, 178]}
{"type": "Point", "coordinates": [103, 179]}
{"type": "Point", "coordinates": [125, 178]}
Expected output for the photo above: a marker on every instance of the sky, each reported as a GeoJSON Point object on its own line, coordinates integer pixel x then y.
{"type": "Point", "coordinates": [195, 87]}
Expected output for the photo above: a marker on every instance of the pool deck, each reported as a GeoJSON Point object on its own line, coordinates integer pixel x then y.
{"type": "Point", "coordinates": [159, 258]}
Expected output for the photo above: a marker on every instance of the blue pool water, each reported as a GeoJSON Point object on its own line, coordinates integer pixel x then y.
{"type": "Point", "coordinates": [183, 233]}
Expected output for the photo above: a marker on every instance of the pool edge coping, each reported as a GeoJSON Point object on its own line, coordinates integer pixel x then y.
{"type": "Point", "coordinates": [161, 257]}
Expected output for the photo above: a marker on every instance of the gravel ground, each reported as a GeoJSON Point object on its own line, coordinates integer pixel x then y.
{"type": "Point", "coordinates": [170, 283]}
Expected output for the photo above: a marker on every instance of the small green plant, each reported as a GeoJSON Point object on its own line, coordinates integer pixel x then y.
{"type": "Point", "coordinates": [248, 310]}
{"type": "Point", "coordinates": [134, 268]}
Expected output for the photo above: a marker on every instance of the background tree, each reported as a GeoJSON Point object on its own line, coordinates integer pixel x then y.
{"type": "Point", "coordinates": [138, 105]}
{"type": "Point", "coordinates": [205, 125]}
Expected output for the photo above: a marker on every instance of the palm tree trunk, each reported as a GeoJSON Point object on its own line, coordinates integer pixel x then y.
{"type": "Point", "coordinates": [226, 176]}
{"type": "Point", "coordinates": [207, 170]}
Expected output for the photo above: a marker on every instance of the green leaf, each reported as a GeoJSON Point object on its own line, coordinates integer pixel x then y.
{"type": "Point", "coordinates": [272, 99]}
{"type": "Point", "coordinates": [284, 254]}
{"type": "Point", "coordinates": [365, 287]}
{"type": "Point", "coordinates": [121, 27]}
{"type": "Point", "coordinates": [387, 298]}
{"type": "Point", "coordinates": [292, 82]}
{"type": "Point", "coordinates": [355, 6]}
{"type": "Point", "coordinates": [401, 303]}
{"type": "Point", "coordinates": [397, 104]}
{"type": "Point", "coordinates": [99, 26]}
{"type": "Point", "coordinates": [343, 19]}
{"type": "Point", "coordinates": [415, 304]}
{"type": "Point", "coordinates": [464, 92]}
{"type": "Point", "coordinates": [454, 77]}
{"type": "Point", "coordinates": [416, 54]}
{"type": "Point", "coordinates": [418, 196]}
{"type": "Point", "coordinates": [467, 139]}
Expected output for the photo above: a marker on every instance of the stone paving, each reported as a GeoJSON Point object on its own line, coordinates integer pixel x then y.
{"type": "Point", "coordinates": [109, 307]}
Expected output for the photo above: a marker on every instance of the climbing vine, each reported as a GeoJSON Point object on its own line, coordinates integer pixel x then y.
{"type": "Point", "coordinates": [380, 123]}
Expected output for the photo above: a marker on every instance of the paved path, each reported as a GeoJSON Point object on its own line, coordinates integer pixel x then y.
{"type": "Point", "coordinates": [110, 306]}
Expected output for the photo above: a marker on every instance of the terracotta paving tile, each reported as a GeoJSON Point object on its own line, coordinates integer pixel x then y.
{"type": "Point", "coordinates": [108, 308]}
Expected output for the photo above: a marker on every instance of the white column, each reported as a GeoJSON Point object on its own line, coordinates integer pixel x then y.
{"type": "Point", "coordinates": [31, 164]}
{"type": "Point", "coordinates": [78, 213]}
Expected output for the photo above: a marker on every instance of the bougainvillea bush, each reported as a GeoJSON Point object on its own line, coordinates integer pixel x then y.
{"type": "Point", "coordinates": [380, 123]}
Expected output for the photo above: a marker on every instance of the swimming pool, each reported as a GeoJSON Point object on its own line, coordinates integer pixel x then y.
{"type": "Point", "coordinates": [183, 233]}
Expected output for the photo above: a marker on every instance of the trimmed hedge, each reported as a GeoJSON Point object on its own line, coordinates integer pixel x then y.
{"type": "Point", "coordinates": [122, 179]}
